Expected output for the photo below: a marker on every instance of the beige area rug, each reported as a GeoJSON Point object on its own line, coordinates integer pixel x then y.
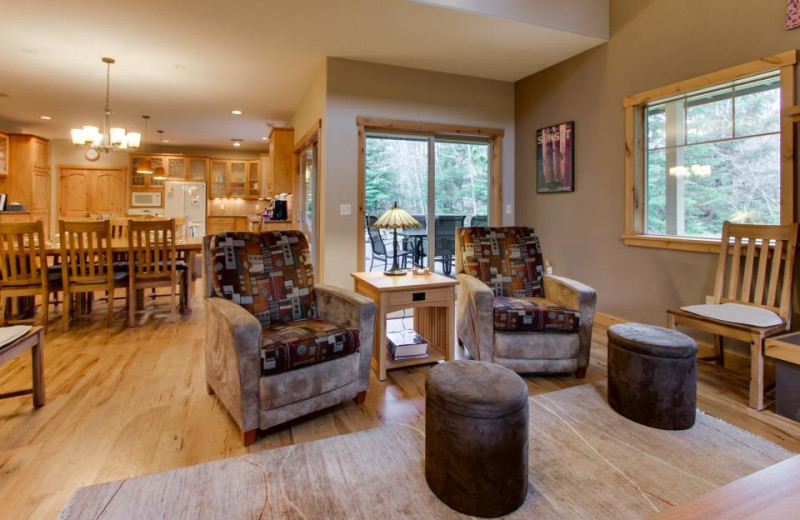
{"type": "Point", "coordinates": [585, 462]}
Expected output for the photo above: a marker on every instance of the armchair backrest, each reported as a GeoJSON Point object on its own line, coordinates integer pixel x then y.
{"type": "Point", "coordinates": [507, 259]}
{"type": "Point", "coordinates": [270, 274]}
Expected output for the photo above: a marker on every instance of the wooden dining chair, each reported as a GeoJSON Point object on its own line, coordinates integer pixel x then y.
{"type": "Point", "coordinates": [152, 260]}
{"type": "Point", "coordinates": [764, 280]}
{"type": "Point", "coordinates": [87, 265]}
{"type": "Point", "coordinates": [23, 268]}
{"type": "Point", "coordinates": [119, 227]}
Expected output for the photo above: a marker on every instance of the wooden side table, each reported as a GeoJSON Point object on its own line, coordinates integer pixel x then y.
{"type": "Point", "coordinates": [33, 341]}
{"type": "Point", "coordinates": [433, 298]}
{"type": "Point", "coordinates": [785, 350]}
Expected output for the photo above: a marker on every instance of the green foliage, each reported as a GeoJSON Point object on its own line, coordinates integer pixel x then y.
{"type": "Point", "coordinates": [744, 185]}
{"type": "Point", "coordinates": [397, 170]}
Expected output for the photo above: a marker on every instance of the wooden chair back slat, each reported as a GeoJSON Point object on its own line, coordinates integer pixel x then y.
{"type": "Point", "coordinates": [777, 246]}
{"type": "Point", "coordinates": [747, 287]}
{"type": "Point", "coordinates": [763, 259]}
{"type": "Point", "coordinates": [22, 254]}
{"type": "Point", "coordinates": [774, 275]}
{"type": "Point", "coordinates": [733, 281]}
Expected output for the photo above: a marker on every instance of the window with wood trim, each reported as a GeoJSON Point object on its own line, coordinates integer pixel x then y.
{"type": "Point", "coordinates": [709, 150]}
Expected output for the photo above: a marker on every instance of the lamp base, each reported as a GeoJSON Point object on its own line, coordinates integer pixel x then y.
{"type": "Point", "coordinates": [396, 272]}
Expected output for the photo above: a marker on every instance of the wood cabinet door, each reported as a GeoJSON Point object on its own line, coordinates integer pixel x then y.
{"type": "Point", "coordinates": [74, 192]}
{"type": "Point", "coordinates": [198, 169]}
{"type": "Point", "coordinates": [176, 168]}
{"type": "Point", "coordinates": [41, 191]}
{"type": "Point", "coordinates": [237, 179]}
{"type": "Point", "coordinates": [219, 179]}
{"type": "Point", "coordinates": [253, 180]}
{"type": "Point", "coordinates": [108, 192]}
{"type": "Point", "coordinates": [41, 154]}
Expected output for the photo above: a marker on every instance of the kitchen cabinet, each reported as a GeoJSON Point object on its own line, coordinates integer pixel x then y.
{"type": "Point", "coordinates": [177, 168]}
{"type": "Point", "coordinates": [234, 179]}
{"type": "Point", "coordinates": [221, 224]}
{"type": "Point", "coordinates": [281, 171]}
{"type": "Point", "coordinates": [254, 184]}
{"type": "Point", "coordinates": [3, 154]}
{"type": "Point", "coordinates": [28, 179]}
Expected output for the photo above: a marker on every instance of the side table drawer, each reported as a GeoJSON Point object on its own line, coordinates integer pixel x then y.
{"type": "Point", "coordinates": [418, 297]}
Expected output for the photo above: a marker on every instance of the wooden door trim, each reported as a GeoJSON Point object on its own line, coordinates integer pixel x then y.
{"type": "Point", "coordinates": [310, 138]}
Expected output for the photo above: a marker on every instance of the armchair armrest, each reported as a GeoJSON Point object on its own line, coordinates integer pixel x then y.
{"type": "Point", "coordinates": [476, 317]}
{"type": "Point", "coordinates": [233, 359]}
{"type": "Point", "coordinates": [576, 296]}
{"type": "Point", "coordinates": [352, 310]}
{"type": "Point", "coordinates": [572, 295]}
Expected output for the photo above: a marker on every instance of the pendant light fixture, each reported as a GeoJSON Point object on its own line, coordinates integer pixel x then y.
{"type": "Point", "coordinates": [145, 166]}
{"type": "Point", "coordinates": [160, 174]}
{"type": "Point", "coordinates": [111, 139]}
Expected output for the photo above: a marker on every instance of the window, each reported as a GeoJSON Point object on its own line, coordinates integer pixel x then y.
{"type": "Point", "coordinates": [708, 150]}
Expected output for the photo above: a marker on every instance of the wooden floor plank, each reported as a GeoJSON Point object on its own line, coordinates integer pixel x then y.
{"type": "Point", "coordinates": [125, 402]}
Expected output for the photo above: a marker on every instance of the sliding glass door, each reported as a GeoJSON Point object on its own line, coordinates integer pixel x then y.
{"type": "Point", "coordinates": [307, 214]}
{"type": "Point", "coordinates": [442, 182]}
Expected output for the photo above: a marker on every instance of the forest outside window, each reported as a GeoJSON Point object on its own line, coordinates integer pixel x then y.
{"type": "Point", "coordinates": [710, 153]}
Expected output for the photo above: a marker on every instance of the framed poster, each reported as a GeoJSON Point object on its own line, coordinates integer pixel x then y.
{"type": "Point", "coordinates": [555, 158]}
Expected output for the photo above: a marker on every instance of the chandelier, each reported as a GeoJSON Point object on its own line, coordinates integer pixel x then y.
{"type": "Point", "coordinates": [111, 139]}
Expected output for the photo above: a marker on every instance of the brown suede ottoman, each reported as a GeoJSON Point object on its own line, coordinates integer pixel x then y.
{"type": "Point", "coordinates": [476, 437]}
{"type": "Point", "coordinates": [652, 375]}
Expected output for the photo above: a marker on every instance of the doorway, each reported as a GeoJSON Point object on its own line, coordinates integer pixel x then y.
{"type": "Point", "coordinates": [444, 182]}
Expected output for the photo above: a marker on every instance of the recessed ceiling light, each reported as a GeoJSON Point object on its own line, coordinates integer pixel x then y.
{"type": "Point", "coordinates": [237, 144]}
{"type": "Point", "coordinates": [236, 112]}
{"type": "Point", "coordinates": [265, 138]}
{"type": "Point", "coordinates": [46, 118]}
{"type": "Point", "coordinates": [166, 140]}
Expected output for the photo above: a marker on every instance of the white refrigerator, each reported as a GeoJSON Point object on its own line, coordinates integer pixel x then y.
{"type": "Point", "coordinates": [187, 199]}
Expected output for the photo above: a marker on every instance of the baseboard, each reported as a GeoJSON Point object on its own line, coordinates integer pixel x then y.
{"type": "Point", "coordinates": [733, 358]}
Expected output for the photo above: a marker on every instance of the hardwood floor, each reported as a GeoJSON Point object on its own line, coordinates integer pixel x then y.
{"type": "Point", "coordinates": [123, 402]}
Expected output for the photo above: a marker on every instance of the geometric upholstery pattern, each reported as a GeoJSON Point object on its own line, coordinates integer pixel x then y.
{"type": "Point", "coordinates": [507, 259]}
{"type": "Point", "coordinates": [269, 274]}
{"type": "Point", "coordinates": [533, 315]}
{"type": "Point", "coordinates": [302, 343]}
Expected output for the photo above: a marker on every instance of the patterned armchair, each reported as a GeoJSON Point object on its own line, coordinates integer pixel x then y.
{"type": "Point", "coordinates": [511, 313]}
{"type": "Point", "coordinates": [277, 346]}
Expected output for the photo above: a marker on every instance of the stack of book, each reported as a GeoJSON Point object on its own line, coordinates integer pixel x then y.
{"type": "Point", "coordinates": [406, 344]}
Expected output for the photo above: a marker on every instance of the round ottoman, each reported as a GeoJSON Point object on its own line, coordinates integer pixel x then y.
{"type": "Point", "coordinates": [652, 375]}
{"type": "Point", "coordinates": [476, 437]}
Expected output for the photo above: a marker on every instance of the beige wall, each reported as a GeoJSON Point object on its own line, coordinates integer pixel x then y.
{"type": "Point", "coordinates": [365, 89]}
{"type": "Point", "coordinates": [653, 43]}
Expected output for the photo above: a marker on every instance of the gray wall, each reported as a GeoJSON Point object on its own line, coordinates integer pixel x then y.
{"type": "Point", "coordinates": [653, 43]}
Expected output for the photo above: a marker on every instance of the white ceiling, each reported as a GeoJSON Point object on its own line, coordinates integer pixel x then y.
{"type": "Point", "coordinates": [188, 63]}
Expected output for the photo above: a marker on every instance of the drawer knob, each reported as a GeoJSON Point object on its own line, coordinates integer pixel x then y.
{"type": "Point", "coordinates": [418, 297]}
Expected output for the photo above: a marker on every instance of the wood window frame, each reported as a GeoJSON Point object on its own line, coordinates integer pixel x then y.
{"type": "Point", "coordinates": [633, 106]}
{"type": "Point", "coordinates": [369, 124]}
{"type": "Point", "coordinates": [310, 138]}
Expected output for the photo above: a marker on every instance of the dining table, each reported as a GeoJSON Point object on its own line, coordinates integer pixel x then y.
{"type": "Point", "coordinates": [418, 237]}
{"type": "Point", "coordinates": [191, 248]}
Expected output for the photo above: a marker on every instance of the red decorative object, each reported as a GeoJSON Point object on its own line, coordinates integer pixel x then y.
{"type": "Point", "coordinates": [792, 14]}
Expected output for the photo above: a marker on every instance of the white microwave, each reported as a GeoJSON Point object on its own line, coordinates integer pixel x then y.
{"type": "Point", "coordinates": [146, 199]}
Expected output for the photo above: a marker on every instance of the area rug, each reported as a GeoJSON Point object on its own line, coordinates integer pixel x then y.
{"type": "Point", "coordinates": [585, 462]}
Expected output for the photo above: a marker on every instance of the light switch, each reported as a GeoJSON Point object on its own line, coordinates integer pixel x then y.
{"type": "Point", "coordinates": [344, 209]}
{"type": "Point", "coordinates": [509, 209]}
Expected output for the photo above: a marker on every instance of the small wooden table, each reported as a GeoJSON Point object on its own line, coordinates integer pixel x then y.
{"type": "Point", "coordinates": [33, 341]}
{"type": "Point", "coordinates": [785, 350]}
{"type": "Point", "coordinates": [433, 298]}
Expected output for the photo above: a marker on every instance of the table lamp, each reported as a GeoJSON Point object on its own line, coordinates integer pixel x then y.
{"type": "Point", "coordinates": [396, 218]}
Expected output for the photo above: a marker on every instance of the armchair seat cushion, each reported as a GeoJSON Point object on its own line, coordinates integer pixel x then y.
{"type": "Point", "coordinates": [302, 343]}
{"type": "Point", "coordinates": [533, 315]}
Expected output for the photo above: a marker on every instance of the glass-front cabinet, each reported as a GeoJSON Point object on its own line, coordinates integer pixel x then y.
{"type": "Point", "coordinates": [218, 179]}
{"type": "Point", "coordinates": [253, 180]}
{"type": "Point", "coordinates": [238, 179]}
